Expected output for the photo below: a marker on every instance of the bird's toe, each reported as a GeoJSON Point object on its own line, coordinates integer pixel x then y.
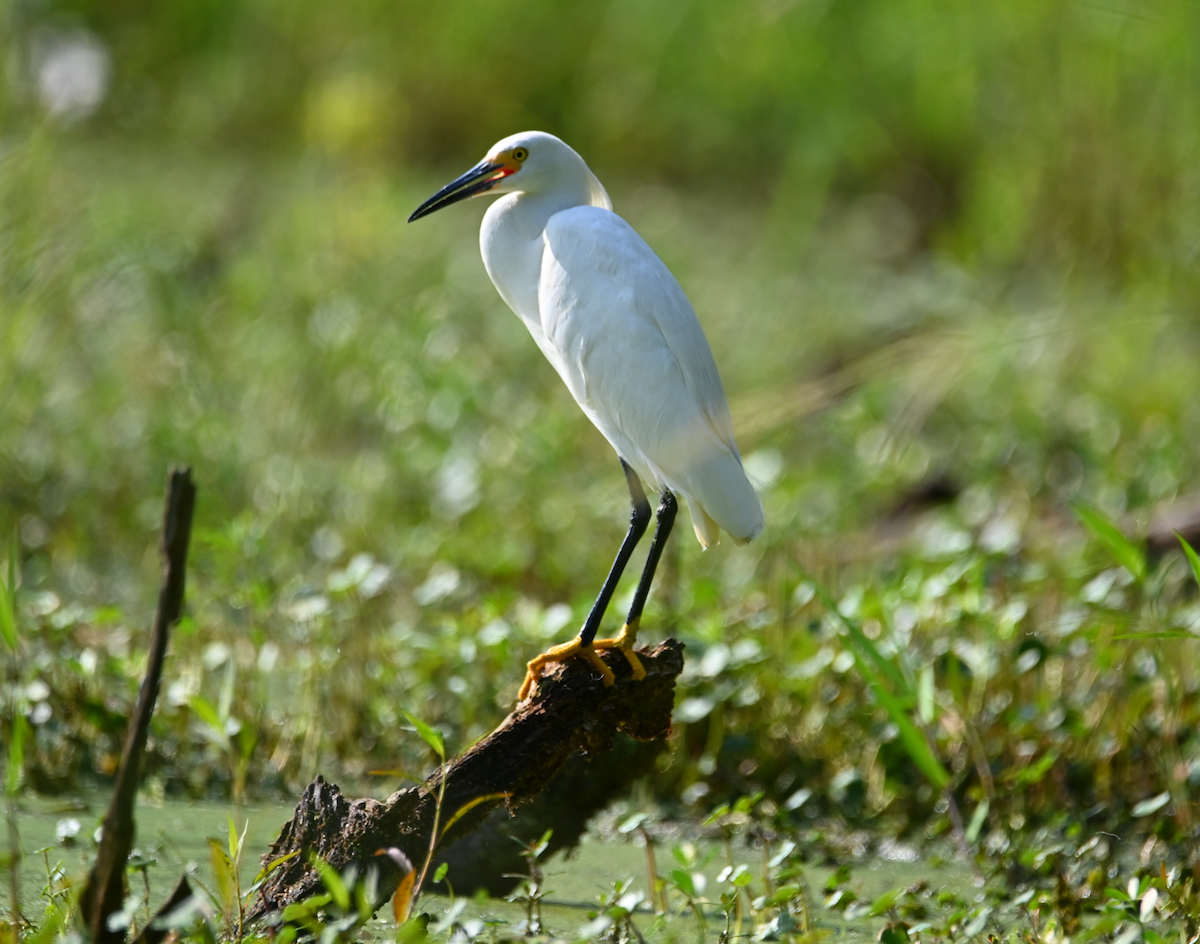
{"type": "Point", "coordinates": [561, 653]}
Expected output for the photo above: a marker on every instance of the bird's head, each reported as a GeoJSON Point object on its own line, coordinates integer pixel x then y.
{"type": "Point", "coordinates": [528, 162]}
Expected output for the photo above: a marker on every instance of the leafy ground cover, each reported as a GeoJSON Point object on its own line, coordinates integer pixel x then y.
{"type": "Point", "coordinates": [949, 274]}
{"type": "Point", "coordinates": [395, 494]}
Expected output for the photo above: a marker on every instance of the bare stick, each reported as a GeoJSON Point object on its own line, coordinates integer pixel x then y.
{"type": "Point", "coordinates": [105, 890]}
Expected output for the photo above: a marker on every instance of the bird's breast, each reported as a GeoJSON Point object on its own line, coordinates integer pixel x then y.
{"type": "Point", "coordinates": [512, 254]}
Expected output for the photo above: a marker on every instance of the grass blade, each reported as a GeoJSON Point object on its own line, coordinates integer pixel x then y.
{"type": "Point", "coordinates": [1192, 557]}
{"type": "Point", "coordinates": [237, 842]}
{"type": "Point", "coordinates": [274, 864]}
{"type": "Point", "coordinates": [896, 699]}
{"type": "Point", "coordinates": [862, 642]}
{"type": "Point", "coordinates": [432, 736]}
{"type": "Point", "coordinates": [16, 755]}
{"type": "Point", "coordinates": [911, 736]}
{"type": "Point", "coordinates": [8, 600]}
{"type": "Point", "coordinates": [1128, 554]}
{"type": "Point", "coordinates": [470, 805]}
{"type": "Point", "coordinates": [397, 772]}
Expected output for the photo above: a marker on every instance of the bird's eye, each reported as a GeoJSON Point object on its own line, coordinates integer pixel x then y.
{"type": "Point", "coordinates": [519, 154]}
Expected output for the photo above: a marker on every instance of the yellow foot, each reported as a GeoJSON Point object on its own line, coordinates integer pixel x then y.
{"type": "Point", "coordinates": [561, 653]}
{"type": "Point", "coordinates": [624, 641]}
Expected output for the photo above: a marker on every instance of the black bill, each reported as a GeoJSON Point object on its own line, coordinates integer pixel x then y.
{"type": "Point", "coordinates": [483, 176]}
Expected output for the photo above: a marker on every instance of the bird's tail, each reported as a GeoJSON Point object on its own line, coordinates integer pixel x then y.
{"type": "Point", "coordinates": [720, 496]}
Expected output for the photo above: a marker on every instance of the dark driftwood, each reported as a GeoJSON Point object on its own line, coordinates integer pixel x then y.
{"type": "Point", "coordinates": [571, 712]}
{"type": "Point", "coordinates": [104, 892]}
{"type": "Point", "coordinates": [489, 859]}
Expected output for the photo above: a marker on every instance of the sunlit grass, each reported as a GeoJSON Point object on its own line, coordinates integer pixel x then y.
{"type": "Point", "coordinates": [399, 505]}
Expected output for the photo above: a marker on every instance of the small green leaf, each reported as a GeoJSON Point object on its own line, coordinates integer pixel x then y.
{"type": "Point", "coordinates": [226, 876]}
{"type": "Point", "coordinates": [305, 909]}
{"type": "Point", "coordinates": [1128, 554]}
{"type": "Point", "coordinates": [333, 883]}
{"type": "Point", "coordinates": [631, 823]}
{"type": "Point", "coordinates": [441, 871]}
{"type": "Point", "coordinates": [52, 924]}
{"type": "Point", "coordinates": [782, 895]}
{"type": "Point", "coordinates": [731, 873]}
{"type": "Point", "coordinates": [746, 804]}
{"type": "Point", "coordinates": [274, 864]}
{"type": "Point", "coordinates": [431, 736]}
{"type": "Point", "coordinates": [1033, 773]}
{"type": "Point", "coordinates": [233, 839]}
{"type": "Point", "coordinates": [840, 900]}
{"type": "Point", "coordinates": [682, 879]}
{"type": "Point", "coordinates": [1192, 557]}
{"type": "Point", "coordinates": [885, 902]}
{"type": "Point", "coordinates": [543, 843]}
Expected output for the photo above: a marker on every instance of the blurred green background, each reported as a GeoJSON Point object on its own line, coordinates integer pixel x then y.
{"type": "Point", "coordinates": [943, 251]}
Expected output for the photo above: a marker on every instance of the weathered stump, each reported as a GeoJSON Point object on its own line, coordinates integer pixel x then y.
{"type": "Point", "coordinates": [572, 711]}
{"type": "Point", "coordinates": [491, 857]}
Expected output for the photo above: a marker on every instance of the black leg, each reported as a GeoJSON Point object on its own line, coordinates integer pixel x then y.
{"type": "Point", "coordinates": [639, 519]}
{"type": "Point", "coordinates": [586, 643]}
{"type": "Point", "coordinates": [666, 518]}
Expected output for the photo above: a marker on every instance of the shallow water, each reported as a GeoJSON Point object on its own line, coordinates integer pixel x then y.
{"type": "Point", "coordinates": [175, 834]}
{"type": "Point", "coordinates": [572, 885]}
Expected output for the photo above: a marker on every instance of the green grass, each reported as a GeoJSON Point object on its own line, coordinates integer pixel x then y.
{"type": "Point", "coordinates": [334, 376]}
{"type": "Point", "coordinates": [951, 247]}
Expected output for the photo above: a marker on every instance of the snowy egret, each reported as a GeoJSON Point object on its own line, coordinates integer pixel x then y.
{"type": "Point", "coordinates": [622, 335]}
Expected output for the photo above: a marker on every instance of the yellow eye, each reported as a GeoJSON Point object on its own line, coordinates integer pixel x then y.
{"type": "Point", "coordinates": [519, 154]}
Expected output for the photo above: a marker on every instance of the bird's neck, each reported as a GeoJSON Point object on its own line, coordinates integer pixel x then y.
{"type": "Point", "coordinates": [525, 214]}
{"type": "Point", "coordinates": [510, 241]}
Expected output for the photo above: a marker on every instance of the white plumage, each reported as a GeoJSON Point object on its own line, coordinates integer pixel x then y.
{"type": "Point", "coordinates": [619, 330]}
{"type": "Point", "coordinates": [617, 327]}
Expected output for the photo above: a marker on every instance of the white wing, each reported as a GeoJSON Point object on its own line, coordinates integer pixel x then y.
{"type": "Point", "coordinates": [624, 337]}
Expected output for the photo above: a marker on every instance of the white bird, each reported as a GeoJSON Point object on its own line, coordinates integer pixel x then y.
{"type": "Point", "coordinates": [613, 321]}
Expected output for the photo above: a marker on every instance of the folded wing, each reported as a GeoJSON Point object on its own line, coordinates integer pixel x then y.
{"type": "Point", "coordinates": [624, 338]}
